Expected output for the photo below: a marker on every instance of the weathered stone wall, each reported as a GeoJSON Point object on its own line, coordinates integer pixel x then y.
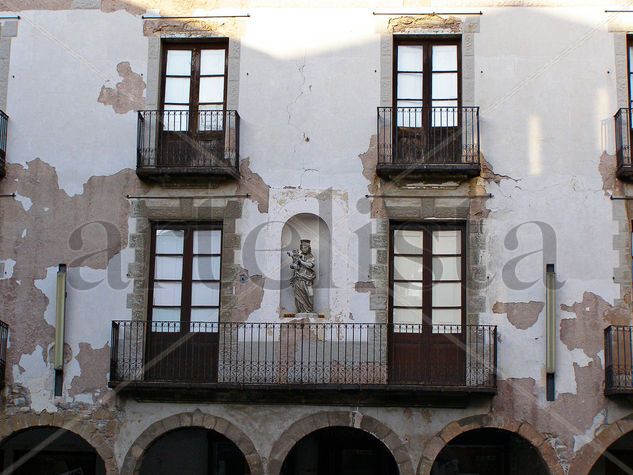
{"type": "Point", "coordinates": [306, 82]}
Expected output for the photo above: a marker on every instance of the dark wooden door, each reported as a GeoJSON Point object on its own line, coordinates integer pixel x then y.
{"type": "Point", "coordinates": [183, 356]}
{"type": "Point", "coordinates": [182, 334]}
{"type": "Point", "coordinates": [194, 113]}
{"type": "Point", "coordinates": [427, 101]}
{"type": "Point", "coordinates": [427, 332]}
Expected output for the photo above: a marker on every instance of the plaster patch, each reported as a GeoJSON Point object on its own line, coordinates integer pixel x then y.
{"type": "Point", "coordinates": [7, 269]}
{"type": "Point", "coordinates": [38, 377]}
{"type": "Point", "coordinates": [253, 184]}
{"type": "Point", "coordinates": [94, 365]}
{"type": "Point", "coordinates": [521, 315]}
{"type": "Point", "coordinates": [26, 202]}
{"type": "Point", "coordinates": [608, 167]}
{"type": "Point", "coordinates": [593, 315]}
{"type": "Point", "coordinates": [82, 230]}
{"type": "Point", "coordinates": [364, 286]}
{"type": "Point", "coordinates": [582, 439]}
{"type": "Point", "coordinates": [137, 7]}
{"type": "Point", "coordinates": [127, 95]}
{"type": "Point", "coordinates": [19, 5]}
{"type": "Point", "coordinates": [249, 291]}
{"type": "Point", "coordinates": [22, 306]}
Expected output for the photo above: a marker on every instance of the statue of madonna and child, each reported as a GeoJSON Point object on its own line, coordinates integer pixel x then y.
{"type": "Point", "coordinates": [304, 273]}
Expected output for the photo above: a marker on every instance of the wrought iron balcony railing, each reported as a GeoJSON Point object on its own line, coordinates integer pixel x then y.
{"type": "Point", "coordinates": [4, 122]}
{"type": "Point", "coordinates": [414, 141]}
{"type": "Point", "coordinates": [623, 133]}
{"type": "Point", "coordinates": [177, 143]}
{"type": "Point", "coordinates": [4, 339]}
{"type": "Point", "coordinates": [295, 355]}
{"type": "Point", "coordinates": [618, 355]}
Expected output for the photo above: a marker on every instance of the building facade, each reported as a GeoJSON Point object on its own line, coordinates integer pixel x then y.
{"type": "Point", "coordinates": [461, 170]}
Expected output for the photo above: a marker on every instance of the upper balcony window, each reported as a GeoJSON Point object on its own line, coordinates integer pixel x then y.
{"type": "Point", "coordinates": [432, 132]}
{"type": "Point", "coordinates": [623, 124]}
{"type": "Point", "coordinates": [193, 134]}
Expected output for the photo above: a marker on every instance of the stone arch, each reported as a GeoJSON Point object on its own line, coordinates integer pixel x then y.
{"type": "Point", "coordinates": [321, 420]}
{"type": "Point", "coordinates": [434, 446]}
{"type": "Point", "coordinates": [195, 419]}
{"type": "Point", "coordinates": [589, 453]}
{"type": "Point", "coordinates": [80, 427]}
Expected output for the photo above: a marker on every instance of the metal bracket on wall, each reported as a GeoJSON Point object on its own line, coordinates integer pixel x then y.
{"type": "Point", "coordinates": [191, 197]}
{"type": "Point", "coordinates": [200, 17]}
{"type": "Point", "coordinates": [8, 195]}
{"type": "Point", "coordinates": [426, 13]}
{"type": "Point", "coordinates": [488, 195]}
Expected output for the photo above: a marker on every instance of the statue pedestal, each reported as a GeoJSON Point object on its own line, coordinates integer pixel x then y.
{"type": "Point", "coordinates": [306, 315]}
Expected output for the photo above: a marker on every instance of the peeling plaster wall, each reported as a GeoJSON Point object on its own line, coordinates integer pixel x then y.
{"type": "Point", "coordinates": [308, 81]}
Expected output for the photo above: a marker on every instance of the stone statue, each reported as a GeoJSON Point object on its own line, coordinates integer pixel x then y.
{"type": "Point", "coordinates": [303, 264]}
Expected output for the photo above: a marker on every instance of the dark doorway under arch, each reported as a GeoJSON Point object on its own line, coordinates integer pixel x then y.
{"type": "Point", "coordinates": [49, 451]}
{"type": "Point", "coordinates": [617, 459]}
{"type": "Point", "coordinates": [339, 451]}
{"type": "Point", "coordinates": [194, 451]}
{"type": "Point", "coordinates": [490, 452]}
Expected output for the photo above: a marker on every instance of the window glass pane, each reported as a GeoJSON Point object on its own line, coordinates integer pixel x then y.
{"type": "Point", "coordinates": [445, 58]}
{"type": "Point", "coordinates": [167, 293]}
{"type": "Point", "coordinates": [169, 241]}
{"type": "Point", "coordinates": [445, 114]}
{"type": "Point", "coordinates": [409, 86]}
{"type": "Point", "coordinates": [212, 61]}
{"type": "Point", "coordinates": [407, 241]}
{"type": "Point", "coordinates": [205, 293]}
{"type": "Point", "coordinates": [206, 268]}
{"type": "Point", "coordinates": [630, 57]}
{"type": "Point", "coordinates": [407, 294]}
{"type": "Point", "coordinates": [447, 242]}
{"type": "Point", "coordinates": [409, 114]}
{"type": "Point", "coordinates": [178, 62]}
{"type": "Point", "coordinates": [452, 317]}
{"type": "Point", "coordinates": [177, 90]}
{"type": "Point", "coordinates": [407, 268]}
{"type": "Point", "coordinates": [447, 295]}
{"type": "Point", "coordinates": [211, 117]}
{"type": "Point", "coordinates": [205, 315]}
{"type": "Point", "coordinates": [207, 241]}
{"type": "Point", "coordinates": [407, 320]}
{"type": "Point", "coordinates": [176, 118]}
{"type": "Point", "coordinates": [168, 268]}
{"type": "Point", "coordinates": [211, 90]}
{"type": "Point", "coordinates": [447, 268]}
{"type": "Point", "coordinates": [166, 319]}
{"type": "Point", "coordinates": [410, 58]}
{"type": "Point", "coordinates": [444, 86]}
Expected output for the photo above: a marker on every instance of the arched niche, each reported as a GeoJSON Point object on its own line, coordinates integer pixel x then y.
{"type": "Point", "coordinates": [312, 227]}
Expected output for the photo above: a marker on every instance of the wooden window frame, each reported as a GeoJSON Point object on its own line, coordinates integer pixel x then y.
{"type": "Point", "coordinates": [428, 41]}
{"type": "Point", "coordinates": [629, 72]}
{"type": "Point", "coordinates": [427, 267]}
{"type": "Point", "coordinates": [194, 79]}
{"type": "Point", "coordinates": [187, 268]}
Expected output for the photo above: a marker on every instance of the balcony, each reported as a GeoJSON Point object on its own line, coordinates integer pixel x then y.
{"type": "Point", "coordinates": [623, 144]}
{"type": "Point", "coordinates": [305, 363]}
{"type": "Point", "coordinates": [4, 121]}
{"type": "Point", "coordinates": [618, 369]}
{"type": "Point", "coordinates": [428, 142]}
{"type": "Point", "coordinates": [174, 145]}
{"type": "Point", "coordinates": [4, 339]}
